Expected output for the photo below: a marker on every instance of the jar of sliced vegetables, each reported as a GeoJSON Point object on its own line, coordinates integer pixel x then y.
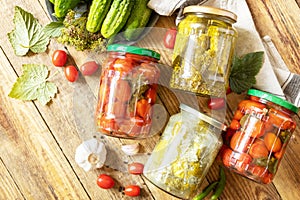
{"type": "Point", "coordinates": [203, 51]}
{"type": "Point", "coordinates": [258, 135]}
{"type": "Point", "coordinates": [127, 91]}
{"type": "Point", "coordinates": [186, 150]}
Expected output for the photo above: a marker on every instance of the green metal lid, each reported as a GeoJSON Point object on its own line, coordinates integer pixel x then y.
{"type": "Point", "coordinates": [273, 99]}
{"type": "Point", "coordinates": [134, 50]}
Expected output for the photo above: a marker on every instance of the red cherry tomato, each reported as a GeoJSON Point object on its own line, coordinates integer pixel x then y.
{"type": "Point", "coordinates": [59, 58]}
{"type": "Point", "coordinates": [135, 168]}
{"type": "Point", "coordinates": [228, 90]}
{"type": "Point", "coordinates": [137, 120]}
{"type": "Point", "coordinates": [170, 37]}
{"type": "Point", "coordinates": [235, 124]}
{"type": "Point", "coordinates": [89, 68]}
{"type": "Point", "coordinates": [132, 190]}
{"type": "Point", "coordinates": [124, 65]}
{"type": "Point", "coordinates": [71, 73]}
{"type": "Point", "coordinates": [216, 103]}
{"type": "Point", "coordinates": [151, 95]}
{"type": "Point", "coordinates": [105, 181]}
{"type": "Point", "coordinates": [122, 91]}
{"type": "Point", "coordinates": [143, 108]}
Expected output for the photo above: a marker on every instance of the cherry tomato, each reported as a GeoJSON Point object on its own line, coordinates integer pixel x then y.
{"type": "Point", "coordinates": [235, 124]}
{"type": "Point", "coordinates": [170, 38]}
{"type": "Point", "coordinates": [242, 161]}
{"type": "Point", "coordinates": [143, 108]}
{"type": "Point", "coordinates": [216, 103]}
{"type": "Point", "coordinates": [228, 90]}
{"type": "Point", "coordinates": [240, 142]}
{"type": "Point", "coordinates": [238, 115]}
{"type": "Point", "coordinates": [71, 73]}
{"type": "Point", "coordinates": [132, 190]}
{"type": "Point", "coordinates": [105, 181]}
{"type": "Point", "coordinates": [257, 170]}
{"type": "Point", "coordinates": [258, 150]}
{"type": "Point", "coordinates": [254, 98]}
{"type": "Point", "coordinates": [137, 120]}
{"type": "Point", "coordinates": [116, 109]}
{"type": "Point", "coordinates": [89, 68]}
{"type": "Point", "coordinates": [268, 177]}
{"type": "Point", "coordinates": [59, 58]}
{"type": "Point", "coordinates": [151, 95]}
{"type": "Point", "coordinates": [107, 125]}
{"type": "Point", "coordinates": [149, 72]}
{"type": "Point", "coordinates": [124, 65]}
{"type": "Point", "coordinates": [123, 91]}
{"type": "Point", "coordinates": [135, 168]}
{"type": "Point", "coordinates": [227, 155]}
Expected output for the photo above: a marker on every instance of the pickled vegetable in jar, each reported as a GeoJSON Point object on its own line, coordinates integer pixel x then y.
{"type": "Point", "coordinates": [184, 153]}
{"type": "Point", "coordinates": [127, 92]}
{"type": "Point", "coordinates": [258, 136]}
{"type": "Point", "coordinates": [203, 51]}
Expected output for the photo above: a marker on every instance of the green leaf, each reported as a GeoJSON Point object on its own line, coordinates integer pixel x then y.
{"type": "Point", "coordinates": [33, 84]}
{"type": "Point", "coordinates": [244, 70]}
{"type": "Point", "coordinates": [53, 29]}
{"type": "Point", "coordinates": [28, 34]}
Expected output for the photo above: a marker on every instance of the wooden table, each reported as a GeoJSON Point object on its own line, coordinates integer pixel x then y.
{"type": "Point", "coordinates": [38, 142]}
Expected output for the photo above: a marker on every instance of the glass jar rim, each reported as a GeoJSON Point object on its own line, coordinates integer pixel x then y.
{"type": "Point", "coordinates": [133, 50]}
{"type": "Point", "coordinates": [274, 99]}
{"type": "Point", "coordinates": [210, 10]}
{"type": "Point", "coordinates": [204, 117]}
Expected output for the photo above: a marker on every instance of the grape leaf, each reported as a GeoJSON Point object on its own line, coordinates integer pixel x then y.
{"type": "Point", "coordinates": [53, 29]}
{"type": "Point", "coordinates": [28, 34]}
{"type": "Point", "coordinates": [33, 84]}
{"type": "Point", "coordinates": [244, 70]}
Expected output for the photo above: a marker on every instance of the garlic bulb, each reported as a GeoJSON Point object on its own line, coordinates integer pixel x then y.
{"type": "Point", "coordinates": [91, 154]}
{"type": "Point", "coordinates": [131, 149]}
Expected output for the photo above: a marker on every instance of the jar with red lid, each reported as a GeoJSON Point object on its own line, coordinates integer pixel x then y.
{"type": "Point", "coordinates": [127, 92]}
{"type": "Point", "coordinates": [258, 136]}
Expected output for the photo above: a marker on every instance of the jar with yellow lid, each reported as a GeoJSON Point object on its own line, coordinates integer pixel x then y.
{"type": "Point", "coordinates": [203, 51]}
{"type": "Point", "coordinates": [186, 150]}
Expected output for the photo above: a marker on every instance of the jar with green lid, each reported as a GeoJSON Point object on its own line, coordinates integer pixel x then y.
{"type": "Point", "coordinates": [203, 51]}
{"type": "Point", "coordinates": [258, 135]}
{"type": "Point", "coordinates": [186, 150]}
{"type": "Point", "coordinates": [127, 91]}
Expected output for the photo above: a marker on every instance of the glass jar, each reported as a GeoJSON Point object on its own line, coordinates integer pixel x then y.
{"type": "Point", "coordinates": [127, 91]}
{"type": "Point", "coordinates": [184, 153]}
{"type": "Point", "coordinates": [258, 135]}
{"type": "Point", "coordinates": [203, 51]}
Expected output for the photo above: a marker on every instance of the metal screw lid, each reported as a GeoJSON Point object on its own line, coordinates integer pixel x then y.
{"type": "Point", "coordinates": [204, 117]}
{"type": "Point", "coordinates": [210, 10]}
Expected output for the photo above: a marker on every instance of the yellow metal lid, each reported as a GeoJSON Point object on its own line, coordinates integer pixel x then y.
{"type": "Point", "coordinates": [210, 10]}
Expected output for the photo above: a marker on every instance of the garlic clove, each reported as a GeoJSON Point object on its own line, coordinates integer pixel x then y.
{"type": "Point", "coordinates": [86, 166]}
{"type": "Point", "coordinates": [131, 149]}
{"type": "Point", "coordinates": [90, 154]}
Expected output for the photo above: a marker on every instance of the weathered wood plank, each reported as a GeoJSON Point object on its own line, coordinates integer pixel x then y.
{"type": "Point", "coordinates": [281, 21]}
{"type": "Point", "coordinates": [62, 124]}
{"type": "Point", "coordinates": [28, 149]}
{"type": "Point", "coordinates": [8, 189]}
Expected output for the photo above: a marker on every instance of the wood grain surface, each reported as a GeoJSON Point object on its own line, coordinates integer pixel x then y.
{"type": "Point", "coordinates": [38, 142]}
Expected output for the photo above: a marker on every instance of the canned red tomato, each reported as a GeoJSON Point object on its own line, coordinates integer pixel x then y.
{"type": "Point", "coordinates": [127, 92]}
{"type": "Point", "coordinates": [258, 136]}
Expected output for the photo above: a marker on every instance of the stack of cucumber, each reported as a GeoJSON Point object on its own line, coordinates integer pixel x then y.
{"type": "Point", "coordinates": [111, 16]}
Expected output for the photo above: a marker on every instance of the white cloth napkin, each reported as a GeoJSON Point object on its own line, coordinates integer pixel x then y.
{"type": "Point", "coordinates": [274, 77]}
